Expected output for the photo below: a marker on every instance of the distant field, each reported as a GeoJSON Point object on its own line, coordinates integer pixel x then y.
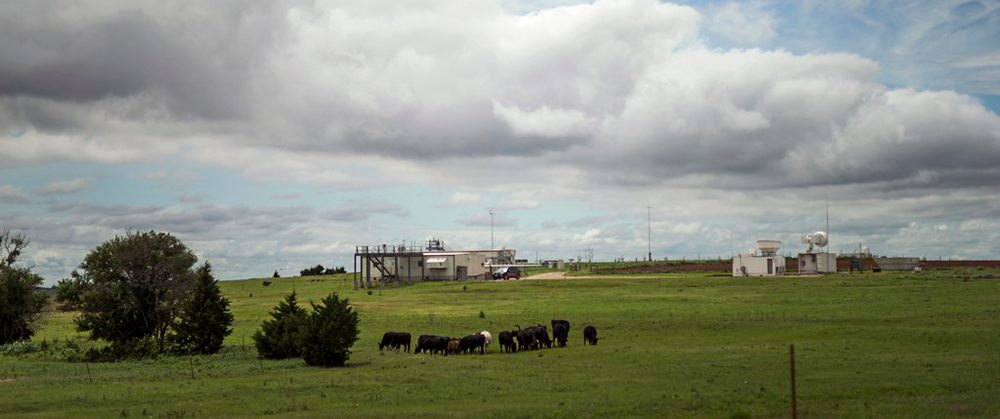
{"type": "Point", "coordinates": [885, 345]}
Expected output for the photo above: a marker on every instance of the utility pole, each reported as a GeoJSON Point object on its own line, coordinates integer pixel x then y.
{"type": "Point", "coordinates": [649, 232]}
{"type": "Point", "coordinates": [491, 230]}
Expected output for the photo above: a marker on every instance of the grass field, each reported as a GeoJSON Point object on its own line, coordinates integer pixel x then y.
{"type": "Point", "coordinates": [888, 345]}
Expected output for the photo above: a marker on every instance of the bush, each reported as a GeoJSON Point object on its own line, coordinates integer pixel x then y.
{"type": "Point", "coordinates": [329, 333]}
{"type": "Point", "coordinates": [277, 338]}
{"type": "Point", "coordinates": [205, 319]}
{"type": "Point", "coordinates": [20, 304]}
{"type": "Point", "coordinates": [18, 348]}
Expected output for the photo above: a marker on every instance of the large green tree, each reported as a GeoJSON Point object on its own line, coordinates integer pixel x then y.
{"type": "Point", "coordinates": [205, 319]}
{"type": "Point", "coordinates": [20, 304]}
{"type": "Point", "coordinates": [137, 285]}
{"type": "Point", "coordinates": [329, 332]}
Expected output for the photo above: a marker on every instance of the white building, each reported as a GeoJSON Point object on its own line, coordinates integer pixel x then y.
{"type": "Point", "coordinates": [764, 262]}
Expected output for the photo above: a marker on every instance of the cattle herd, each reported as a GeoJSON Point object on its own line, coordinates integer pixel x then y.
{"type": "Point", "coordinates": [528, 338]}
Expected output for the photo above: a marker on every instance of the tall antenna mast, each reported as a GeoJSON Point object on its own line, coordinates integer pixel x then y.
{"type": "Point", "coordinates": [828, 223]}
{"type": "Point", "coordinates": [649, 232]}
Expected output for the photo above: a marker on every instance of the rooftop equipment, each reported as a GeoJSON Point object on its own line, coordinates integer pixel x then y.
{"type": "Point", "coordinates": [818, 238]}
{"type": "Point", "coordinates": [768, 247]}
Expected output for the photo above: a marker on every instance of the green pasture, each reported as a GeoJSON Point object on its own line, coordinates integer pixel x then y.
{"type": "Point", "coordinates": [884, 345]}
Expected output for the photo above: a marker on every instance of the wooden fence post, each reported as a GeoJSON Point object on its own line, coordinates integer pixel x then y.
{"type": "Point", "coordinates": [791, 354]}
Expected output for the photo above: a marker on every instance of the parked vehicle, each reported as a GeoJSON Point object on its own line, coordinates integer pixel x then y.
{"type": "Point", "coordinates": [507, 272]}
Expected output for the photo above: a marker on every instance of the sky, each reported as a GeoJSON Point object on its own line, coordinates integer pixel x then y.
{"type": "Point", "coordinates": [279, 135]}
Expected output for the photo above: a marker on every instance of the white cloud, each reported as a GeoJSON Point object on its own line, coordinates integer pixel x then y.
{"type": "Point", "coordinates": [63, 187]}
{"type": "Point", "coordinates": [462, 199]}
{"type": "Point", "coordinates": [982, 60]}
{"type": "Point", "coordinates": [606, 104]}
{"type": "Point", "coordinates": [544, 121]}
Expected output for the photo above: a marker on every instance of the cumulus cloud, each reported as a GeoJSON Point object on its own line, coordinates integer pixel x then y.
{"type": "Point", "coordinates": [626, 85]}
{"type": "Point", "coordinates": [63, 187]}
{"type": "Point", "coordinates": [512, 104]}
{"type": "Point", "coordinates": [544, 121]}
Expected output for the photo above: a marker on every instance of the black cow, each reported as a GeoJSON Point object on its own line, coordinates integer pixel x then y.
{"type": "Point", "coordinates": [526, 339]}
{"type": "Point", "coordinates": [395, 340]}
{"type": "Point", "coordinates": [432, 344]}
{"type": "Point", "coordinates": [507, 341]}
{"type": "Point", "coordinates": [589, 335]}
{"type": "Point", "coordinates": [555, 322]}
{"type": "Point", "coordinates": [542, 335]}
{"type": "Point", "coordinates": [471, 342]}
{"type": "Point", "coordinates": [560, 333]}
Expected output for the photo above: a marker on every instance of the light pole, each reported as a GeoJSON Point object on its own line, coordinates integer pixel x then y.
{"type": "Point", "coordinates": [491, 230]}
{"type": "Point", "coordinates": [649, 232]}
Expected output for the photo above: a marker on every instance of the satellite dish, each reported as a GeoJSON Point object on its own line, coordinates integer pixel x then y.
{"type": "Point", "coordinates": [820, 238]}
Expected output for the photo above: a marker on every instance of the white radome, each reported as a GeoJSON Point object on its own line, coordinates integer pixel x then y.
{"type": "Point", "coordinates": [768, 246]}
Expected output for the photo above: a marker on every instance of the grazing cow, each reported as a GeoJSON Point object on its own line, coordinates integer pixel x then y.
{"type": "Point", "coordinates": [395, 340]}
{"type": "Point", "coordinates": [432, 344]}
{"type": "Point", "coordinates": [589, 335]}
{"type": "Point", "coordinates": [489, 339]}
{"type": "Point", "coordinates": [560, 332]}
{"type": "Point", "coordinates": [471, 342]}
{"type": "Point", "coordinates": [555, 322]}
{"type": "Point", "coordinates": [507, 341]}
{"type": "Point", "coordinates": [454, 346]}
{"type": "Point", "coordinates": [526, 339]}
{"type": "Point", "coordinates": [542, 335]}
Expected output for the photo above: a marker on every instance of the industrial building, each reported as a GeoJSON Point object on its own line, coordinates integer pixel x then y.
{"type": "Point", "coordinates": [435, 262]}
{"type": "Point", "coordinates": [767, 263]}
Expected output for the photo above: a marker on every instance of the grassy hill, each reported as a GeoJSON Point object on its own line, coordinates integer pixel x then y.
{"type": "Point", "coordinates": [899, 345]}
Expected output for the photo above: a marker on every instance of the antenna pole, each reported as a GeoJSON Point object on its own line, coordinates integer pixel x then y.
{"type": "Point", "coordinates": [828, 224]}
{"type": "Point", "coordinates": [491, 230]}
{"type": "Point", "coordinates": [649, 232]}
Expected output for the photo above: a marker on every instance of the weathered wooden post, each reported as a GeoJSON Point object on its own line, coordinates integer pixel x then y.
{"type": "Point", "coordinates": [791, 354]}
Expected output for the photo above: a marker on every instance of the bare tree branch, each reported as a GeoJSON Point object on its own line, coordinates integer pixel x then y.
{"type": "Point", "coordinates": [11, 246]}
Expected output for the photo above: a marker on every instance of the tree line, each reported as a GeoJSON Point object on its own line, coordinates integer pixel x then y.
{"type": "Point", "coordinates": [144, 294]}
